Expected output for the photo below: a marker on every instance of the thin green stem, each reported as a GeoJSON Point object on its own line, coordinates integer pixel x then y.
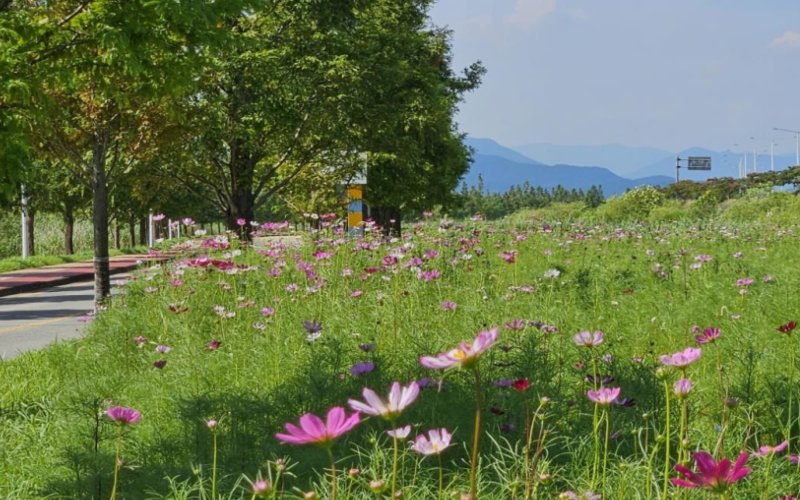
{"type": "Point", "coordinates": [117, 464]}
{"type": "Point", "coordinates": [394, 465]}
{"type": "Point", "coordinates": [333, 474]}
{"type": "Point", "coordinates": [792, 367]}
{"type": "Point", "coordinates": [214, 465]}
{"type": "Point", "coordinates": [666, 436]}
{"type": "Point", "coordinates": [441, 477]}
{"type": "Point", "coordinates": [605, 448]}
{"type": "Point", "coordinates": [476, 439]}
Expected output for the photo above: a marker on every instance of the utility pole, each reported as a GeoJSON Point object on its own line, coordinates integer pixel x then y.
{"type": "Point", "coordinates": [797, 139]}
{"type": "Point", "coordinates": [678, 169]}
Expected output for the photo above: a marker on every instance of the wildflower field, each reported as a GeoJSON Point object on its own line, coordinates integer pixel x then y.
{"type": "Point", "coordinates": [463, 360]}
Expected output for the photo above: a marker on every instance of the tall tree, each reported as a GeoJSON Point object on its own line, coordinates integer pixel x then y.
{"type": "Point", "coordinates": [273, 104]}
{"type": "Point", "coordinates": [117, 65]}
{"type": "Point", "coordinates": [416, 155]}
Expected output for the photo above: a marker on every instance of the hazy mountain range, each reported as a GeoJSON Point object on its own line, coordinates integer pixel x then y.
{"type": "Point", "coordinates": [615, 167]}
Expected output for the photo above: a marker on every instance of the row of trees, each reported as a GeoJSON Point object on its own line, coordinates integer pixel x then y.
{"type": "Point", "coordinates": [476, 200]}
{"type": "Point", "coordinates": [193, 106]}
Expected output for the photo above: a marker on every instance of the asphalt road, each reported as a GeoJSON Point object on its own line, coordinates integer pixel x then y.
{"type": "Point", "coordinates": [36, 319]}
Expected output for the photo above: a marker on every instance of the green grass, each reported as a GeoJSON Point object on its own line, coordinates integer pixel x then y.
{"type": "Point", "coordinates": [56, 442]}
{"type": "Point", "coordinates": [17, 263]}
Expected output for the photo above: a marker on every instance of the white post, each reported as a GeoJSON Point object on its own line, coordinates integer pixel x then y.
{"type": "Point", "coordinates": [797, 159]}
{"type": "Point", "coordinates": [23, 201]}
{"type": "Point", "coordinates": [178, 225]}
{"type": "Point", "coordinates": [150, 230]}
{"type": "Point", "coordinates": [772, 156]}
{"type": "Point", "coordinates": [169, 229]}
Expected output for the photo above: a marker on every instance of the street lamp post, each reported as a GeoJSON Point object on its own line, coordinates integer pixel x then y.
{"type": "Point", "coordinates": [797, 139]}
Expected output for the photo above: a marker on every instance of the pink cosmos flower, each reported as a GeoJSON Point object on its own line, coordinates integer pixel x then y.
{"type": "Point", "coordinates": [744, 282]}
{"type": "Point", "coordinates": [400, 433]}
{"type": "Point", "coordinates": [313, 430]}
{"type": "Point", "coordinates": [604, 396]}
{"type": "Point", "coordinates": [767, 450]}
{"type": "Point", "coordinates": [588, 339]}
{"type": "Point", "coordinates": [681, 359]}
{"type": "Point", "coordinates": [449, 305]}
{"type": "Point", "coordinates": [437, 441]}
{"type": "Point", "coordinates": [123, 415]}
{"type": "Point", "coordinates": [399, 398]}
{"type": "Point", "coordinates": [465, 355]}
{"type": "Point", "coordinates": [711, 475]}
{"type": "Point", "coordinates": [682, 388]}
{"type": "Point", "coordinates": [708, 336]}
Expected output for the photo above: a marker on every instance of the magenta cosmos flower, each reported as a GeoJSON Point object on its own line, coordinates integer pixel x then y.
{"type": "Point", "coordinates": [436, 442]}
{"type": "Point", "coordinates": [711, 475]}
{"type": "Point", "coordinates": [313, 430]}
{"type": "Point", "coordinates": [767, 450]}
{"type": "Point", "coordinates": [465, 355]}
{"type": "Point", "coordinates": [588, 339]}
{"type": "Point", "coordinates": [604, 396]}
{"type": "Point", "coordinates": [681, 359]}
{"type": "Point", "coordinates": [399, 399]}
{"type": "Point", "coordinates": [123, 415]}
{"type": "Point", "coordinates": [708, 336]}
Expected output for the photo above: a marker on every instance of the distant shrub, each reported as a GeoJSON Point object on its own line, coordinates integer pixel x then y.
{"type": "Point", "coordinates": [763, 204]}
{"type": "Point", "coordinates": [671, 211]}
{"type": "Point", "coordinates": [555, 212]}
{"type": "Point", "coordinates": [633, 205]}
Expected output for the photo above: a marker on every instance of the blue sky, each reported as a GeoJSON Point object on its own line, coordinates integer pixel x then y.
{"type": "Point", "coordinates": [667, 74]}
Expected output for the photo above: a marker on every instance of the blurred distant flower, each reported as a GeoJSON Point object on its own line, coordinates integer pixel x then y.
{"type": "Point", "coordinates": [604, 396]}
{"type": "Point", "coordinates": [589, 339]}
{"type": "Point", "coordinates": [787, 327]}
{"type": "Point", "coordinates": [312, 326]}
{"type": "Point", "coordinates": [160, 363]}
{"type": "Point", "coordinates": [362, 368]}
{"type": "Point", "coordinates": [681, 359]}
{"type": "Point", "coordinates": [213, 345]}
{"type": "Point", "coordinates": [742, 282]}
{"type": "Point", "coordinates": [708, 336]}
{"type": "Point", "coordinates": [163, 349]}
{"type": "Point", "coordinates": [448, 305]}
{"type": "Point", "coordinates": [682, 388]}
{"type": "Point", "coordinates": [515, 324]}
{"type": "Point", "coordinates": [400, 433]}
{"type": "Point", "coordinates": [510, 256]}
{"type": "Point", "coordinates": [521, 384]}
{"type": "Point", "coordinates": [123, 415]}
{"type": "Point", "coordinates": [552, 273]}
{"type": "Point", "coordinates": [434, 443]}
{"type": "Point", "coordinates": [767, 450]}
{"type": "Point", "coordinates": [465, 355]}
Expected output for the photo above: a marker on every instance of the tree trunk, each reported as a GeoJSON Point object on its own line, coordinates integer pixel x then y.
{"type": "Point", "coordinates": [69, 229]}
{"type": "Point", "coordinates": [29, 231]}
{"type": "Point", "coordinates": [132, 230]}
{"type": "Point", "coordinates": [117, 235]}
{"type": "Point", "coordinates": [388, 218]}
{"type": "Point", "coordinates": [143, 231]}
{"type": "Point", "coordinates": [102, 272]}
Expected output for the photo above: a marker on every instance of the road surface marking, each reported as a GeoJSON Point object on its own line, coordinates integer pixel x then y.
{"type": "Point", "coordinates": [33, 324]}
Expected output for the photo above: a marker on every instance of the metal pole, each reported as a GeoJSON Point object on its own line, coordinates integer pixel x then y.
{"type": "Point", "coordinates": [23, 201]}
{"type": "Point", "coordinates": [150, 230]}
{"type": "Point", "coordinates": [772, 156]}
{"type": "Point", "coordinates": [677, 169]}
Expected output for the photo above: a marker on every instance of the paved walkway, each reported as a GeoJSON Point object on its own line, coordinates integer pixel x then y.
{"type": "Point", "coordinates": [27, 280]}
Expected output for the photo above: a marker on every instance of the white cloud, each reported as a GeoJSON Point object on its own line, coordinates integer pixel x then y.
{"type": "Point", "coordinates": [789, 39]}
{"type": "Point", "coordinates": [528, 13]}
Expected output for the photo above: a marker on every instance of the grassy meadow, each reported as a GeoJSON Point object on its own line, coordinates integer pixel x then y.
{"type": "Point", "coordinates": [251, 339]}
